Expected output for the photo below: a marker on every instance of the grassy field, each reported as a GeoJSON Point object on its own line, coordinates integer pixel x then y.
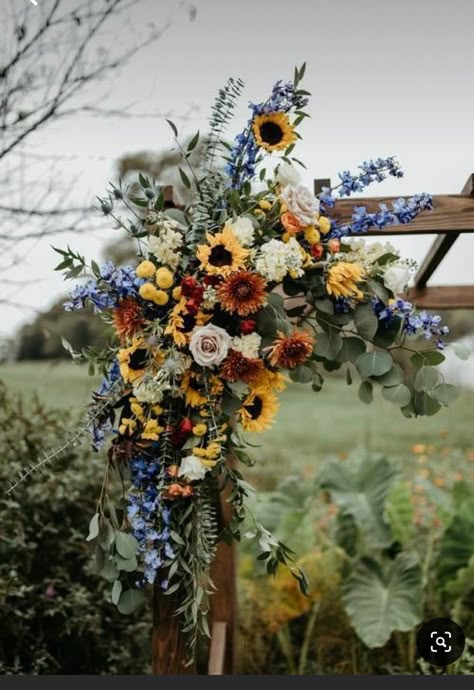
{"type": "Point", "coordinates": [309, 425]}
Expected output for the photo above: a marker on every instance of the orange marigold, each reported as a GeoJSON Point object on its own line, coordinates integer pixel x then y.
{"type": "Point", "coordinates": [289, 351]}
{"type": "Point", "coordinates": [242, 293]}
{"type": "Point", "coordinates": [236, 367]}
{"type": "Point", "coordinates": [128, 318]}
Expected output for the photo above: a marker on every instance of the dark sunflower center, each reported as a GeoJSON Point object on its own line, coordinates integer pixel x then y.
{"type": "Point", "coordinates": [189, 321]}
{"type": "Point", "coordinates": [255, 408]}
{"type": "Point", "coordinates": [271, 133]}
{"type": "Point", "coordinates": [243, 289]}
{"type": "Point", "coordinates": [138, 359]}
{"type": "Point", "coordinates": [220, 256]}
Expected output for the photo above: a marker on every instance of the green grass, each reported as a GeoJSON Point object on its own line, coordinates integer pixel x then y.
{"type": "Point", "coordinates": [309, 425]}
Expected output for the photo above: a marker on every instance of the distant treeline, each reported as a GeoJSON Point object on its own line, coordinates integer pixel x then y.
{"type": "Point", "coordinates": [42, 338]}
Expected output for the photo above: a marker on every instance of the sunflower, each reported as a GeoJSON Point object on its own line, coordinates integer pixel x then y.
{"type": "Point", "coordinates": [258, 410]}
{"type": "Point", "coordinates": [236, 367]}
{"type": "Point", "coordinates": [289, 351]}
{"type": "Point", "coordinates": [181, 323]}
{"type": "Point", "coordinates": [133, 360]}
{"type": "Point", "coordinates": [223, 254]}
{"type": "Point", "coordinates": [273, 131]}
{"type": "Point", "coordinates": [270, 380]}
{"type": "Point", "coordinates": [128, 318]}
{"type": "Point", "coordinates": [342, 279]}
{"type": "Point", "coordinates": [242, 293]}
{"type": "Point", "coordinates": [192, 396]}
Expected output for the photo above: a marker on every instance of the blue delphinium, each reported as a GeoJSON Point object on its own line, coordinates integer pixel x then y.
{"type": "Point", "coordinates": [403, 211]}
{"type": "Point", "coordinates": [100, 426]}
{"type": "Point", "coordinates": [114, 284]}
{"type": "Point", "coordinates": [424, 323]}
{"type": "Point", "coordinates": [149, 519]}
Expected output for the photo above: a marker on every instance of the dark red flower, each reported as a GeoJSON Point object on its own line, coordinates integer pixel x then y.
{"type": "Point", "coordinates": [248, 326]}
{"type": "Point", "coordinates": [317, 251]}
{"type": "Point", "coordinates": [188, 285]}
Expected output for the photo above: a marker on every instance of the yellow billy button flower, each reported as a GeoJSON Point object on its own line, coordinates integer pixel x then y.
{"type": "Point", "coordinates": [200, 430]}
{"type": "Point", "coordinates": [265, 205]}
{"type": "Point", "coordinates": [286, 237]}
{"type": "Point", "coordinates": [176, 293]}
{"type": "Point", "coordinates": [147, 291]}
{"type": "Point", "coordinates": [311, 235]}
{"type": "Point", "coordinates": [160, 298]}
{"type": "Point", "coordinates": [324, 225]}
{"type": "Point", "coordinates": [146, 269]}
{"type": "Point", "coordinates": [164, 278]}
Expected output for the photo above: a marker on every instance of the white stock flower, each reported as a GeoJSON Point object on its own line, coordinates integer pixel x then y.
{"type": "Point", "coordinates": [247, 345]}
{"type": "Point", "coordinates": [165, 246]}
{"type": "Point", "coordinates": [244, 231]}
{"type": "Point", "coordinates": [301, 203]}
{"type": "Point", "coordinates": [192, 468]}
{"type": "Point", "coordinates": [396, 278]}
{"type": "Point", "coordinates": [276, 258]}
{"type": "Point", "coordinates": [288, 175]}
{"type": "Point", "coordinates": [149, 390]}
{"type": "Point", "coordinates": [209, 345]}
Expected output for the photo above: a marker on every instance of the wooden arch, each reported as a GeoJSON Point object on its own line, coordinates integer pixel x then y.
{"type": "Point", "coordinates": [453, 215]}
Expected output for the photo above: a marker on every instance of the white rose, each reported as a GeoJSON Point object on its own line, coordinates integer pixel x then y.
{"type": "Point", "coordinates": [301, 203]}
{"type": "Point", "coordinates": [209, 345]}
{"type": "Point", "coordinates": [244, 231]}
{"type": "Point", "coordinates": [192, 468]}
{"type": "Point", "coordinates": [288, 175]}
{"type": "Point", "coordinates": [396, 278]}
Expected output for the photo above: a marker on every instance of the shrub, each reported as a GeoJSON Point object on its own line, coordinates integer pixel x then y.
{"type": "Point", "coordinates": [56, 613]}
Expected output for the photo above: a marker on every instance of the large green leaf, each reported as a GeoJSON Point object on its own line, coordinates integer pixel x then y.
{"type": "Point", "coordinates": [399, 513]}
{"type": "Point", "coordinates": [457, 543]}
{"type": "Point", "coordinates": [360, 489]}
{"type": "Point", "coordinates": [328, 345]}
{"type": "Point", "coordinates": [365, 321]}
{"type": "Point", "coordinates": [381, 597]}
{"type": "Point", "coordinates": [130, 601]}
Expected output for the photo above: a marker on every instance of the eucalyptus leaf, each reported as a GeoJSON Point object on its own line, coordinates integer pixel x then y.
{"type": "Point", "coordinates": [427, 358]}
{"type": "Point", "coordinates": [116, 592]}
{"type": "Point", "coordinates": [445, 393]}
{"type": "Point", "coordinates": [366, 392]}
{"type": "Point", "coordinates": [328, 345]}
{"type": "Point", "coordinates": [462, 350]}
{"type": "Point", "coordinates": [426, 379]}
{"type": "Point", "coordinates": [374, 363]}
{"type": "Point", "coordinates": [126, 545]}
{"type": "Point", "coordinates": [93, 528]}
{"type": "Point", "coordinates": [392, 377]}
{"type": "Point", "coordinates": [351, 349]}
{"type": "Point", "coordinates": [425, 405]}
{"type": "Point", "coordinates": [301, 374]}
{"type": "Point", "coordinates": [366, 321]}
{"type": "Point", "coordinates": [399, 395]}
{"type": "Point", "coordinates": [109, 570]}
{"type": "Point", "coordinates": [130, 601]}
{"type": "Point", "coordinates": [129, 565]}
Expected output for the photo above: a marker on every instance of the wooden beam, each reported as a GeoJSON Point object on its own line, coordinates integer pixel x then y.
{"type": "Point", "coordinates": [217, 651]}
{"type": "Point", "coordinates": [438, 250]}
{"type": "Point", "coordinates": [441, 245]}
{"type": "Point", "coordinates": [452, 213]}
{"type": "Point", "coordinates": [443, 297]}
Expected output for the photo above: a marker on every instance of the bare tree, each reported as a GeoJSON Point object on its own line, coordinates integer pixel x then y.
{"type": "Point", "coordinates": [57, 59]}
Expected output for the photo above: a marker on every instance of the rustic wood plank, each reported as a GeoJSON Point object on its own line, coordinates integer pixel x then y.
{"type": "Point", "coordinates": [443, 297]}
{"type": "Point", "coordinates": [223, 574]}
{"type": "Point", "coordinates": [168, 648]}
{"type": "Point", "coordinates": [452, 213]}
{"type": "Point", "coordinates": [320, 183]}
{"type": "Point", "coordinates": [438, 250]}
{"type": "Point", "coordinates": [218, 648]}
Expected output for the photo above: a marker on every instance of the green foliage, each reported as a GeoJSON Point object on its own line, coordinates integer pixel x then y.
{"type": "Point", "coordinates": [381, 596]}
{"type": "Point", "coordinates": [56, 615]}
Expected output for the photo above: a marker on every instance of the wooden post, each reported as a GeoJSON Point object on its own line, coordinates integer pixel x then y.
{"type": "Point", "coordinates": [168, 650]}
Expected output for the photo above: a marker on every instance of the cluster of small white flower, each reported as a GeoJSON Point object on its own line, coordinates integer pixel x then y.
{"type": "Point", "coordinates": [276, 259]}
{"type": "Point", "coordinates": [166, 243]}
{"type": "Point", "coordinates": [248, 345]}
{"type": "Point", "coordinates": [243, 230]}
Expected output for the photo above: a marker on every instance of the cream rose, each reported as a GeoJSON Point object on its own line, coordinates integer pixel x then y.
{"type": "Point", "coordinates": [192, 468]}
{"type": "Point", "coordinates": [396, 278]}
{"type": "Point", "coordinates": [288, 175]}
{"type": "Point", "coordinates": [209, 345]}
{"type": "Point", "coordinates": [301, 203]}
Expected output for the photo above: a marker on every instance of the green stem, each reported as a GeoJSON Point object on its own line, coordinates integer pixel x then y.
{"type": "Point", "coordinates": [307, 638]}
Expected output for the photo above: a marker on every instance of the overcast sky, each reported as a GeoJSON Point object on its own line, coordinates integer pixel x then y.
{"type": "Point", "coordinates": [388, 78]}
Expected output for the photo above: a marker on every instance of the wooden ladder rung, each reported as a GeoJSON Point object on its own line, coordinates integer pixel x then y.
{"type": "Point", "coordinates": [217, 650]}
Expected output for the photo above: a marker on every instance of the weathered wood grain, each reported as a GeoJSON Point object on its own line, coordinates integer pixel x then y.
{"type": "Point", "coordinates": [443, 297]}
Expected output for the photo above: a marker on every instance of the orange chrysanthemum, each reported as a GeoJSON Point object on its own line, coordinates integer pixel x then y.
{"type": "Point", "coordinates": [289, 351]}
{"type": "Point", "coordinates": [242, 293]}
{"type": "Point", "coordinates": [128, 318]}
{"type": "Point", "coordinates": [236, 367]}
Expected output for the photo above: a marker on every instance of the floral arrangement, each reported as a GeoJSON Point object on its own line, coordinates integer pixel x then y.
{"type": "Point", "coordinates": [253, 284]}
